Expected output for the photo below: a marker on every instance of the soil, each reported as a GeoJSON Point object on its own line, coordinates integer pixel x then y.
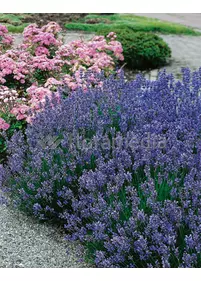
{"type": "Point", "coordinates": [43, 18]}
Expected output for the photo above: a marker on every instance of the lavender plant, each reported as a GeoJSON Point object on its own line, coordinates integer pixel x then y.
{"type": "Point", "coordinates": [119, 166]}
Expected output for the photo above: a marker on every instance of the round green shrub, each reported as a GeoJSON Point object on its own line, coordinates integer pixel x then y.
{"type": "Point", "coordinates": [142, 50]}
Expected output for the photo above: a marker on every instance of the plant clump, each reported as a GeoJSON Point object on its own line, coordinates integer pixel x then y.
{"type": "Point", "coordinates": [142, 50]}
{"type": "Point", "coordinates": [118, 166]}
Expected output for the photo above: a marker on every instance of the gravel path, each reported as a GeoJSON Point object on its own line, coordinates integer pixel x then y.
{"type": "Point", "coordinates": [185, 53]}
{"type": "Point", "coordinates": [185, 49]}
{"type": "Point", "coordinates": [26, 243]}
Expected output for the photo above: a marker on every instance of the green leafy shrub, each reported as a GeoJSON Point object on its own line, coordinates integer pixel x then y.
{"type": "Point", "coordinates": [142, 50]}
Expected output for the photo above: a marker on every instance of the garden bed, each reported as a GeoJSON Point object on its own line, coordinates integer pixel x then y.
{"type": "Point", "coordinates": [97, 23]}
{"type": "Point", "coordinates": [17, 22]}
{"type": "Point", "coordinates": [114, 163]}
{"type": "Point", "coordinates": [94, 22]}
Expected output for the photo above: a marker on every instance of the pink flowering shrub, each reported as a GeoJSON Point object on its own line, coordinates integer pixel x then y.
{"type": "Point", "coordinates": [99, 54]}
{"type": "Point", "coordinates": [5, 39]}
{"type": "Point", "coordinates": [42, 63]}
{"type": "Point", "coordinates": [42, 41]}
{"type": "Point", "coordinates": [3, 124]}
{"type": "Point", "coordinates": [15, 68]}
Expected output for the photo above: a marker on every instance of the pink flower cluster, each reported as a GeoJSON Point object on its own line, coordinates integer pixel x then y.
{"type": "Point", "coordinates": [3, 125]}
{"type": "Point", "coordinates": [46, 64]}
{"type": "Point", "coordinates": [20, 111]}
{"type": "Point", "coordinates": [79, 56]}
{"type": "Point", "coordinates": [35, 101]}
{"type": "Point", "coordinates": [51, 83]}
{"type": "Point", "coordinates": [15, 63]}
{"type": "Point", "coordinates": [92, 53]}
{"type": "Point", "coordinates": [52, 27]}
{"type": "Point", "coordinates": [38, 96]}
{"type": "Point", "coordinates": [5, 39]}
{"type": "Point", "coordinates": [81, 80]}
{"type": "Point", "coordinates": [42, 40]}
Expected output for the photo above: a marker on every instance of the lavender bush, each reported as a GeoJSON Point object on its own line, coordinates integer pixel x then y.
{"type": "Point", "coordinates": [120, 168]}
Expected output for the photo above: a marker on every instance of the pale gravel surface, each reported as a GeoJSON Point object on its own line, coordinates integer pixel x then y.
{"type": "Point", "coordinates": [186, 52]}
{"type": "Point", "coordinates": [68, 37]}
{"type": "Point", "coordinates": [26, 243]}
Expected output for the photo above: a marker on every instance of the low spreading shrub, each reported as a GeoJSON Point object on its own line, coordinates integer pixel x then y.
{"type": "Point", "coordinates": [119, 166]}
{"type": "Point", "coordinates": [96, 23]}
{"type": "Point", "coordinates": [142, 50]}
